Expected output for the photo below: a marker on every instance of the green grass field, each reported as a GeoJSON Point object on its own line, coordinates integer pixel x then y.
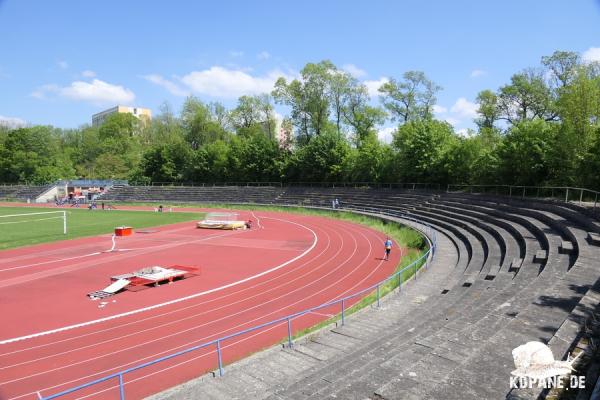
{"type": "Point", "coordinates": [33, 229]}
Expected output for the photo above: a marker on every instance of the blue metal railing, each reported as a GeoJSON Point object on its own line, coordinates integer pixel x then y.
{"type": "Point", "coordinates": [430, 236]}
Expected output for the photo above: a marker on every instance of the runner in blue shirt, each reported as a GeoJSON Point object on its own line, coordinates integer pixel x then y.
{"type": "Point", "coordinates": [388, 248]}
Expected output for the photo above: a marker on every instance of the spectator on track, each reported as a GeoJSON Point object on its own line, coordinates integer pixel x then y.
{"type": "Point", "coordinates": [388, 248]}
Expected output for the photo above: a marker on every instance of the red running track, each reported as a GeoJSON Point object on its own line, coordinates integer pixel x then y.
{"type": "Point", "coordinates": [53, 337]}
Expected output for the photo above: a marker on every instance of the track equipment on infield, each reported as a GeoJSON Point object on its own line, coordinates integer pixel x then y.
{"type": "Point", "coordinates": [221, 220]}
{"type": "Point", "coordinates": [149, 276]}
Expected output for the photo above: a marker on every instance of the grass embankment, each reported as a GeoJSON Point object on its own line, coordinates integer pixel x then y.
{"type": "Point", "coordinates": [33, 229]}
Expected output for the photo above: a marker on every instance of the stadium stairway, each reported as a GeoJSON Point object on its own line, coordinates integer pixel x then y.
{"type": "Point", "coordinates": [506, 272]}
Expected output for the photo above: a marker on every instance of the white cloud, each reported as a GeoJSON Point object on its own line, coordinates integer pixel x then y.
{"type": "Point", "coordinates": [96, 92]}
{"type": "Point", "coordinates": [476, 73]}
{"type": "Point", "coordinates": [385, 134]}
{"type": "Point", "coordinates": [373, 86]}
{"type": "Point", "coordinates": [592, 54]}
{"type": "Point", "coordinates": [88, 74]}
{"type": "Point", "coordinates": [439, 109]}
{"type": "Point", "coordinates": [12, 122]}
{"type": "Point", "coordinates": [236, 53]}
{"type": "Point", "coordinates": [464, 108]}
{"type": "Point", "coordinates": [263, 55]}
{"type": "Point", "coordinates": [172, 87]}
{"type": "Point", "coordinates": [63, 64]}
{"type": "Point", "coordinates": [229, 83]}
{"type": "Point", "coordinates": [354, 70]}
{"type": "Point", "coordinates": [40, 93]}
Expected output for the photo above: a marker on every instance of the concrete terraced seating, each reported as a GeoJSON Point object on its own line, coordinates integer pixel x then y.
{"type": "Point", "coordinates": [506, 272]}
{"type": "Point", "coordinates": [22, 192]}
{"type": "Point", "coordinates": [196, 194]}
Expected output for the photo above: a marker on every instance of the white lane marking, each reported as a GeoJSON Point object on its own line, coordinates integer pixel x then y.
{"type": "Point", "coordinates": [55, 252]}
{"type": "Point", "coordinates": [169, 244]}
{"type": "Point", "coordinates": [216, 334]}
{"type": "Point", "coordinates": [229, 329]}
{"type": "Point", "coordinates": [177, 320]}
{"type": "Point", "coordinates": [202, 355]}
{"type": "Point", "coordinates": [162, 337]}
{"type": "Point", "coordinates": [257, 220]}
{"type": "Point", "coordinates": [166, 303]}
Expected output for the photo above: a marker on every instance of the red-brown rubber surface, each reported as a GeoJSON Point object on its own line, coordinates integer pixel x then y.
{"type": "Point", "coordinates": [43, 288]}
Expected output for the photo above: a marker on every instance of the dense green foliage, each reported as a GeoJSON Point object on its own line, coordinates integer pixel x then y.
{"type": "Point", "coordinates": [541, 127]}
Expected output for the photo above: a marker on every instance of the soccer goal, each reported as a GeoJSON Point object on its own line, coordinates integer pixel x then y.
{"type": "Point", "coordinates": [47, 221]}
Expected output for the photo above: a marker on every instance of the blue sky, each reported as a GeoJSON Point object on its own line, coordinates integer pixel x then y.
{"type": "Point", "coordinates": [62, 61]}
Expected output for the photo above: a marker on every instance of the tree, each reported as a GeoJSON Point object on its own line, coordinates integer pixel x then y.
{"type": "Point", "coordinates": [200, 125]}
{"type": "Point", "coordinates": [357, 112]}
{"type": "Point", "coordinates": [209, 163]}
{"type": "Point", "coordinates": [340, 87]}
{"type": "Point", "coordinates": [368, 162]}
{"type": "Point", "coordinates": [488, 109]}
{"type": "Point", "coordinates": [527, 97]}
{"type": "Point", "coordinates": [410, 99]}
{"type": "Point", "coordinates": [308, 97]}
{"type": "Point", "coordinates": [119, 126]}
{"type": "Point", "coordinates": [323, 159]}
{"type": "Point", "coordinates": [579, 106]}
{"type": "Point", "coordinates": [33, 155]}
{"type": "Point", "coordinates": [563, 66]}
{"type": "Point", "coordinates": [474, 159]}
{"type": "Point", "coordinates": [164, 128]}
{"type": "Point", "coordinates": [526, 153]}
{"type": "Point", "coordinates": [254, 158]}
{"type": "Point", "coordinates": [254, 111]}
{"type": "Point", "coordinates": [166, 163]}
{"type": "Point", "coordinates": [422, 148]}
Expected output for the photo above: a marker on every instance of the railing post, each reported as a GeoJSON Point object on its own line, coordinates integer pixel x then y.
{"type": "Point", "coordinates": [595, 201]}
{"type": "Point", "coordinates": [567, 196]}
{"type": "Point", "coordinates": [378, 296]}
{"type": "Point", "coordinates": [580, 196]}
{"type": "Point", "coordinates": [343, 312]}
{"type": "Point", "coordinates": [289, 326]}
{"type": "Point", "coordinates": [523, 192]}
{"type": "Point", "coordinates": [415, 274]}
{"type": "Point", "coordinates": [220, 358]}
{"type": "Point", "coordinates": [121, 387]}
{"type": "Point", "coordinates": [510, 191]}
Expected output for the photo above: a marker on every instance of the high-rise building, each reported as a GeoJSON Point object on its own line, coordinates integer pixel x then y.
{"type": "Point", "coordinates": [143, 114]}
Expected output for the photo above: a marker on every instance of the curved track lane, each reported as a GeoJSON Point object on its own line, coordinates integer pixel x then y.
{"type": "Point", "coordinates": [289, 263]}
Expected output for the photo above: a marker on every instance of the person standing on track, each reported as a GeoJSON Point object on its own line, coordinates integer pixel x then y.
{"type": "Point", "coordinates": [388, 248]}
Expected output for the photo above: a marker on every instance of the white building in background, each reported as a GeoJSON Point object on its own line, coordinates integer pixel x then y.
{"type": "Point", "coordinates": [143, 114]}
